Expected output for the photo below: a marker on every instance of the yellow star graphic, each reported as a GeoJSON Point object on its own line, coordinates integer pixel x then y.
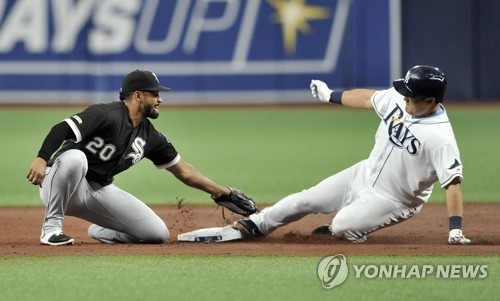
{"type": "Point", "coordinates": [396, 117]}
{"type": "Point", "coordinates": [294, 16]}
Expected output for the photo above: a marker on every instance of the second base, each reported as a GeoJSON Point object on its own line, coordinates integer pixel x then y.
{"type": "Point", "coordinates": [215, 234]}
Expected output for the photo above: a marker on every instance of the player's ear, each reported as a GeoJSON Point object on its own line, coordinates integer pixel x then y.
{"type": "Point", "coordinates": [138, 95]}
{"type": "Point", "coordinates": [430, 100]}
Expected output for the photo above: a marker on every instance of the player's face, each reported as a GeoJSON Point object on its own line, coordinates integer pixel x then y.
{"type": "Point", "coordinates": [420, 106]}
{"type": "Point", "coordinates": [151, 104]}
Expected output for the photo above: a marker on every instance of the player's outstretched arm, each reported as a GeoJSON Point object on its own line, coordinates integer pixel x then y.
{"type": "Point", "coordinates": [230, 198]}
{"type": "Point", "coordinates": [357, 98]}
{"type": "Point", "coordinates": [454, 204]}
{"type": "Point", "coordinates": [190, 176]}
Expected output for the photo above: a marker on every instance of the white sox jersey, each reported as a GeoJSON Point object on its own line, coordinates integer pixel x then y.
{"type": "Point", "coordinates": [105, 134]}
{"type": "Point", "coordinates": [411, 153]}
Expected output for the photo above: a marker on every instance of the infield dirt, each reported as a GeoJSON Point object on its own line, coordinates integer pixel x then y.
{"type": "Point", "coordinates": [424, 234]}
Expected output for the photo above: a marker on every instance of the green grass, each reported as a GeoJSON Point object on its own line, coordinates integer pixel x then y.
{"type": "Point", "coordinates": [267, 153]}
{"type": "Point", "coordinates": [230, 278]}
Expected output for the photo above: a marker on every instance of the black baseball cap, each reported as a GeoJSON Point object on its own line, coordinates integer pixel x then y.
{"type": "Point", "coordinates": [422, 81]}
{"type": "Point", "coordinates": [141, 80]}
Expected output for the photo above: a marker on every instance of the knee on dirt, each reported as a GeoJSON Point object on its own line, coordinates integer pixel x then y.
{"type": "Point", "coordinates": [342, 227]}
{"type": "Point", "coordinates": [158, 235]}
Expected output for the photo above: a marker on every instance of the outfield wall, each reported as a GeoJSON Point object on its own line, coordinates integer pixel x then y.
{"type": "Point", "coordinates": [462, 37]}
{"type": "Point", "coordinates": [231, 51]}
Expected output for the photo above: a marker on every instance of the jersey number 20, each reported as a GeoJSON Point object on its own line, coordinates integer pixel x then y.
{"type": "Point", "coordinates": [103, 151]}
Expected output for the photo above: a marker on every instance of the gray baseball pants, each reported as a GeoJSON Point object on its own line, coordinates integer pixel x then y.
{"type": "Point", "coordinates": [118, 216]}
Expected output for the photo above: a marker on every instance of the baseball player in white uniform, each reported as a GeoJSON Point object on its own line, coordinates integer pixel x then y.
{"type": "Point", "coordinates": [415, 147]}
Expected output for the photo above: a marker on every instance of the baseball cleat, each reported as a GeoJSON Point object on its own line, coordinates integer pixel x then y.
{"type": "Point", "coordinates": [56, 238]}
{"type": "Point", "coordinates": [323, 230]}
{"type": "Point", "coordinates": [247, 228]}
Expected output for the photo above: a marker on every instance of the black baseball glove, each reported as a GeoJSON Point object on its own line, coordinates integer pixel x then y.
{"type": "Point", "coordinates": [237, 202]}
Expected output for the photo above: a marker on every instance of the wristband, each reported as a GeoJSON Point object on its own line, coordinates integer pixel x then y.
{"type": "Point", "coordinates": [455, 222]}
{"type": "Point", "coordinates": [336, 97]}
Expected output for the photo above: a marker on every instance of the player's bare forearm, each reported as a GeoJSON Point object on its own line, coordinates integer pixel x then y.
{"type": "Point", "coordinates": [358, 98]}
{"type": "Point", "coordinates": [455, 212]}
{"type": "Point", "coordinates": [454, 200]}
{"type": "Point", "coordinates": [190, 176]}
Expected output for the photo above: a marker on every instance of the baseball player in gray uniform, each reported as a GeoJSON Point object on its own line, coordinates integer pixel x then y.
{"type": "Point", "coordinates": [415, 147]}
{"type": "Point", "coordinates": [98, 143]}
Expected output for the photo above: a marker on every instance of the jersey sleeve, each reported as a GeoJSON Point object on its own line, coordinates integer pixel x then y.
{"type": "Point", "coordinates": [87, 121]}
{"type": "Point", "coordinates": [383, 99]}
{"type": "Point", "coordinates": [164, 155]}
{"type": "Point", "coordinates": [447, 164]}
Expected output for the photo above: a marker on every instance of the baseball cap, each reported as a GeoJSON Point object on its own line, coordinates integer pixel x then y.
{"type": "Point", "coordinates": [141, 80]}
{"type": "Point", "coordinates": [422, 81]}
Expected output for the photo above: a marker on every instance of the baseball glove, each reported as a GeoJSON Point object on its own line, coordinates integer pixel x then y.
{"type": "Point", "coordinates": [237, 202]}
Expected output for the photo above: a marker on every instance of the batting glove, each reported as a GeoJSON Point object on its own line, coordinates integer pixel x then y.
{"type": "Point", "coordinates": [457, 238]}
{"type": "Point", "coordinates": [320, 90]}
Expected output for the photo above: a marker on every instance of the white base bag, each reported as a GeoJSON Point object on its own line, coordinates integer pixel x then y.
{"type": "Point", "coordinates": [215, 234]}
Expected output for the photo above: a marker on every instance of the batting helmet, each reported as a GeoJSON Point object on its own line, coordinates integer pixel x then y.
{"type": "Point", "coordinates": [422, 81]}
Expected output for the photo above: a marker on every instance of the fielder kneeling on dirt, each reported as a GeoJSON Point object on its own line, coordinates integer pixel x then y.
{"type": "Point", "coordinates": [99, 143]}
{"type": "Point", "coordinates": [415, 147]}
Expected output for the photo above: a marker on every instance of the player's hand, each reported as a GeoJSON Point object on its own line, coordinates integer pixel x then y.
{"type": "Point", "coordinates": [36, 173]}
{"type": "Point", "coordinates": [320, 90]}
{"type": "Point", "coordinates": [456, 237]}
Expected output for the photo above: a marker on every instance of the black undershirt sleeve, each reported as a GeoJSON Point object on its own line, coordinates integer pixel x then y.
{"type": "Point", "coordinates": [54, 139]}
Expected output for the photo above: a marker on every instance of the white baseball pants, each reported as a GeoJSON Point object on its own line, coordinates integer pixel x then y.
{"type": "Point", "coordinates": [359, 208]}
